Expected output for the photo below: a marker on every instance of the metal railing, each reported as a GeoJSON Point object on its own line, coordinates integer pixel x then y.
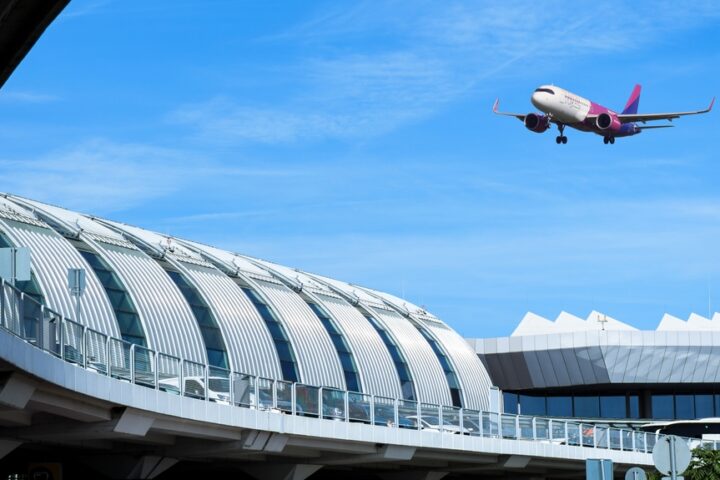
{"type": "Point", "coordinates": [43, 328]}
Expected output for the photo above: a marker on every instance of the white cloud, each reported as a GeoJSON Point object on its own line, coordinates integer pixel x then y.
{"type": "Point", "coordinates": [374, 67]}
{"type": "Point", "coordinates": [107, 176]}
{"type": "Point", "coordinates": [18, 96]}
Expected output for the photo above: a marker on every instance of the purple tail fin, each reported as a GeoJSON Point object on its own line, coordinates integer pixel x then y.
{"type": "Point", "coordinates": [632, 104]}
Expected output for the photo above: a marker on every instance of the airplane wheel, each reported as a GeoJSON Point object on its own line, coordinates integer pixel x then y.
{"type": "Point", "coordinates": [564, 140]}
{"type": "Point", "coordinates": [606, 140]}
{"type": "Point", "coordinates": [612, 140]}
{"type": "Point", "coordinates": [558, 140]}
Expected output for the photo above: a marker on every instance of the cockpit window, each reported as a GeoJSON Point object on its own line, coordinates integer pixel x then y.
{"type": "Point", "coordinates": [546, 90]}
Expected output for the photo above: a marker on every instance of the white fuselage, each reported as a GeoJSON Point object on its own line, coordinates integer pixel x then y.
{"type": "Point", "coordinates": [561, 105]}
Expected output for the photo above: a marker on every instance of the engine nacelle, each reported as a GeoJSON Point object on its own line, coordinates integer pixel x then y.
{"type": "Point", "coordinates": [608, 122]}
{"type": "Point", "coordinates": [537, 123]}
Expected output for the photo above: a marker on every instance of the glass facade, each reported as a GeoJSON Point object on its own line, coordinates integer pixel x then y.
{"type": "Point", "coordinates": [288, 365]}
{"type": "Point", "coordinates": [684, 406]}
{"type": "Point", "coordinates": [352, 378]}
{"type": "Point", "coordinates": [659, 406]}
{"type": "Point", "coordinates": [212, 336]}
{"type": "Point", "coordinates": [455, 392]}
{"type": "Point", "coordinates": [581, 406]}
{"type": "Point", "coordinates": [406, 383]}
{"type": "Point", "coordinates": [127, 317]}
{"type": "Point", "coordinates": [662, 407]}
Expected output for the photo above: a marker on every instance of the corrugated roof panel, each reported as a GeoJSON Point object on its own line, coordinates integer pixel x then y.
{"type": "Point", "coordinates": [169, 323]}
{"type": "Point", "coordinates": [239, 322]}
{"type": "Point", "coordinates": [316, 356]}
{"type": "Point", "coordinates": [429, 378]}
{"type": "Point", "coordinates": [51, 257]}
{"type": "Point", "coordinates": [375, 365]}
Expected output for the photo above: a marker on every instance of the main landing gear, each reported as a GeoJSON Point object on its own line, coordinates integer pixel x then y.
{"type": "Point", "coordinates": [561, 138]}
{"type": "Point", "coordinates": [610, 140]}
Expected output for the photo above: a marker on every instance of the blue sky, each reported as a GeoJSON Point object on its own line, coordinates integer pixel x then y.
{"type": "Point", "coordinates": [355, 140]}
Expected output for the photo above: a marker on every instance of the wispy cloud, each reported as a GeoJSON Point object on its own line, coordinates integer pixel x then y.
{"type": "Point", "coordinates": [19, 96]}
{"type": "Point", "coordinates": [373, 68]}
{"type": "Point", "coordinates": [110, 176]}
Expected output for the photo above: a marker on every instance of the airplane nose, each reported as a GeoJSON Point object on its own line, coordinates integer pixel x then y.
{"type": "Point", "coordinates": [536, 99]}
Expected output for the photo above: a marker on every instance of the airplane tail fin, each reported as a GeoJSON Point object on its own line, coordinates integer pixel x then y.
{"type": "Point", "coordinates": [632, 104]}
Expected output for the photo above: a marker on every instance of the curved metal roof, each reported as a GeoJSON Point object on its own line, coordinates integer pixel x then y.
{"type": "Point", "coordinates": [140, 259]}
{"type": "Point", "coordinates": [52, 256]}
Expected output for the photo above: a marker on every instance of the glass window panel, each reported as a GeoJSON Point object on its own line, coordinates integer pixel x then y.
{"type": "Point", "coordinates": [217, 358]}
{"type": "Point", "coordinates": [717, 406]}
{"type": "Point", "coordinates": [353, 382]}
{"type": "Point", "coordinates": [587, 407]}
{"type": "Point", "coordinates": [510, 402]}
{"type": "Point", "coordinates": [264, 311]}
{"type": "Point", "coordinates": [212, 337]}
{"type": "Point", "coordinates": [395, 354]}
{"type": "Point", "coordinates": [339, 343]}
{"type": "Point", "coordinates": [684, 407]}
{"type": "Point", "coordinates": [703, 406]}
{"type": "Point", "coordinates": [613, 407]}
{"type": "Point", "coordinates": [283, 349]}
{"type": "Point", "coordinates": [403, 373]}
{"type": "Point", "coordinates": [288, 371]}
{"type": "Point", "coordinates": [347, 362]}
{"type": "Point", "coordinates": [634, 406]}
{"type": "Point", "coordinates": [662, 407]}
{"type": "Point", "coordinates": [408, 390]}
{"type": "Point", "coordinates": [559, 406]}
{"type": "Point", "coordinates": [456, 396]}
{"type": "Point", "coordinates": [452, 380]}
{"type": "Point", "coordinates": [530, 405]}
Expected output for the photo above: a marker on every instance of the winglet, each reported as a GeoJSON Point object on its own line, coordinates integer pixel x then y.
{"type": "Point", "coordinates": [712, 102]}
{"type": "Point", "coordinates": [497, 104]}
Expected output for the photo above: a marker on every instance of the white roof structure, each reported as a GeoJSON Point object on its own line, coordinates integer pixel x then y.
{"type": "Point", "coordinates": [211, 306]}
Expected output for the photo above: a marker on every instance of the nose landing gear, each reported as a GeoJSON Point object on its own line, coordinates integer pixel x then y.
{"type": "Point", "coordinates": [561, 138]}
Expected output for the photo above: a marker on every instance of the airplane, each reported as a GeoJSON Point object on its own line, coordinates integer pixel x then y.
{"type": "Point", "coordinates": [565, 109]}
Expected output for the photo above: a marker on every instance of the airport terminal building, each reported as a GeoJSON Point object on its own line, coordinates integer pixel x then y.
{"type": "Point", "coordinates": [156, 351]}
{"type": "Point", "coordinates": [130, 354]}
{"type": "Point", "coordinates": [601, 369]}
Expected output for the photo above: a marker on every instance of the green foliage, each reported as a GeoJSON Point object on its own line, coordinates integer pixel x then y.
{"type": "Point", "coordinates": [705, 465]}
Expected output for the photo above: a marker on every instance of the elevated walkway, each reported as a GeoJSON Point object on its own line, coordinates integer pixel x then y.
{"type": "Point", "coordinates": [68, 385]}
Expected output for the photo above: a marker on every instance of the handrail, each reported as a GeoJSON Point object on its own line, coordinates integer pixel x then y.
{"type": "Point", "coordinates": [117, 358]}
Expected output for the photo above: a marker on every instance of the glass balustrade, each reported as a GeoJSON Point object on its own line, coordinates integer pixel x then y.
{"type": "Point", "coordinates": [168, 372]}
{"type": "Point", "coordinates": [24, 317]}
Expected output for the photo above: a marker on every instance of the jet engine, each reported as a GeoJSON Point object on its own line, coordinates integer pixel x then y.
{"type": "Point", "coordinates": [537, 123]}
{"type": "Point", "coordinates": [607, 121]}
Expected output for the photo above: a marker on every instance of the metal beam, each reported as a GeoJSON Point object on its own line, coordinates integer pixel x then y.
{"type": "Point", "coordinates": [386, 453]}
{"type": "Point", "coordinates": [69, 407]}
{"type": "Point", "coordinates": [16, 391]}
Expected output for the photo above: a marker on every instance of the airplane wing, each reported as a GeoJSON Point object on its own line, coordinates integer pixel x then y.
{"type": "Point", "coordinates": [519, 116]}
{"type": "Point", "coordinates": [647, 117]}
